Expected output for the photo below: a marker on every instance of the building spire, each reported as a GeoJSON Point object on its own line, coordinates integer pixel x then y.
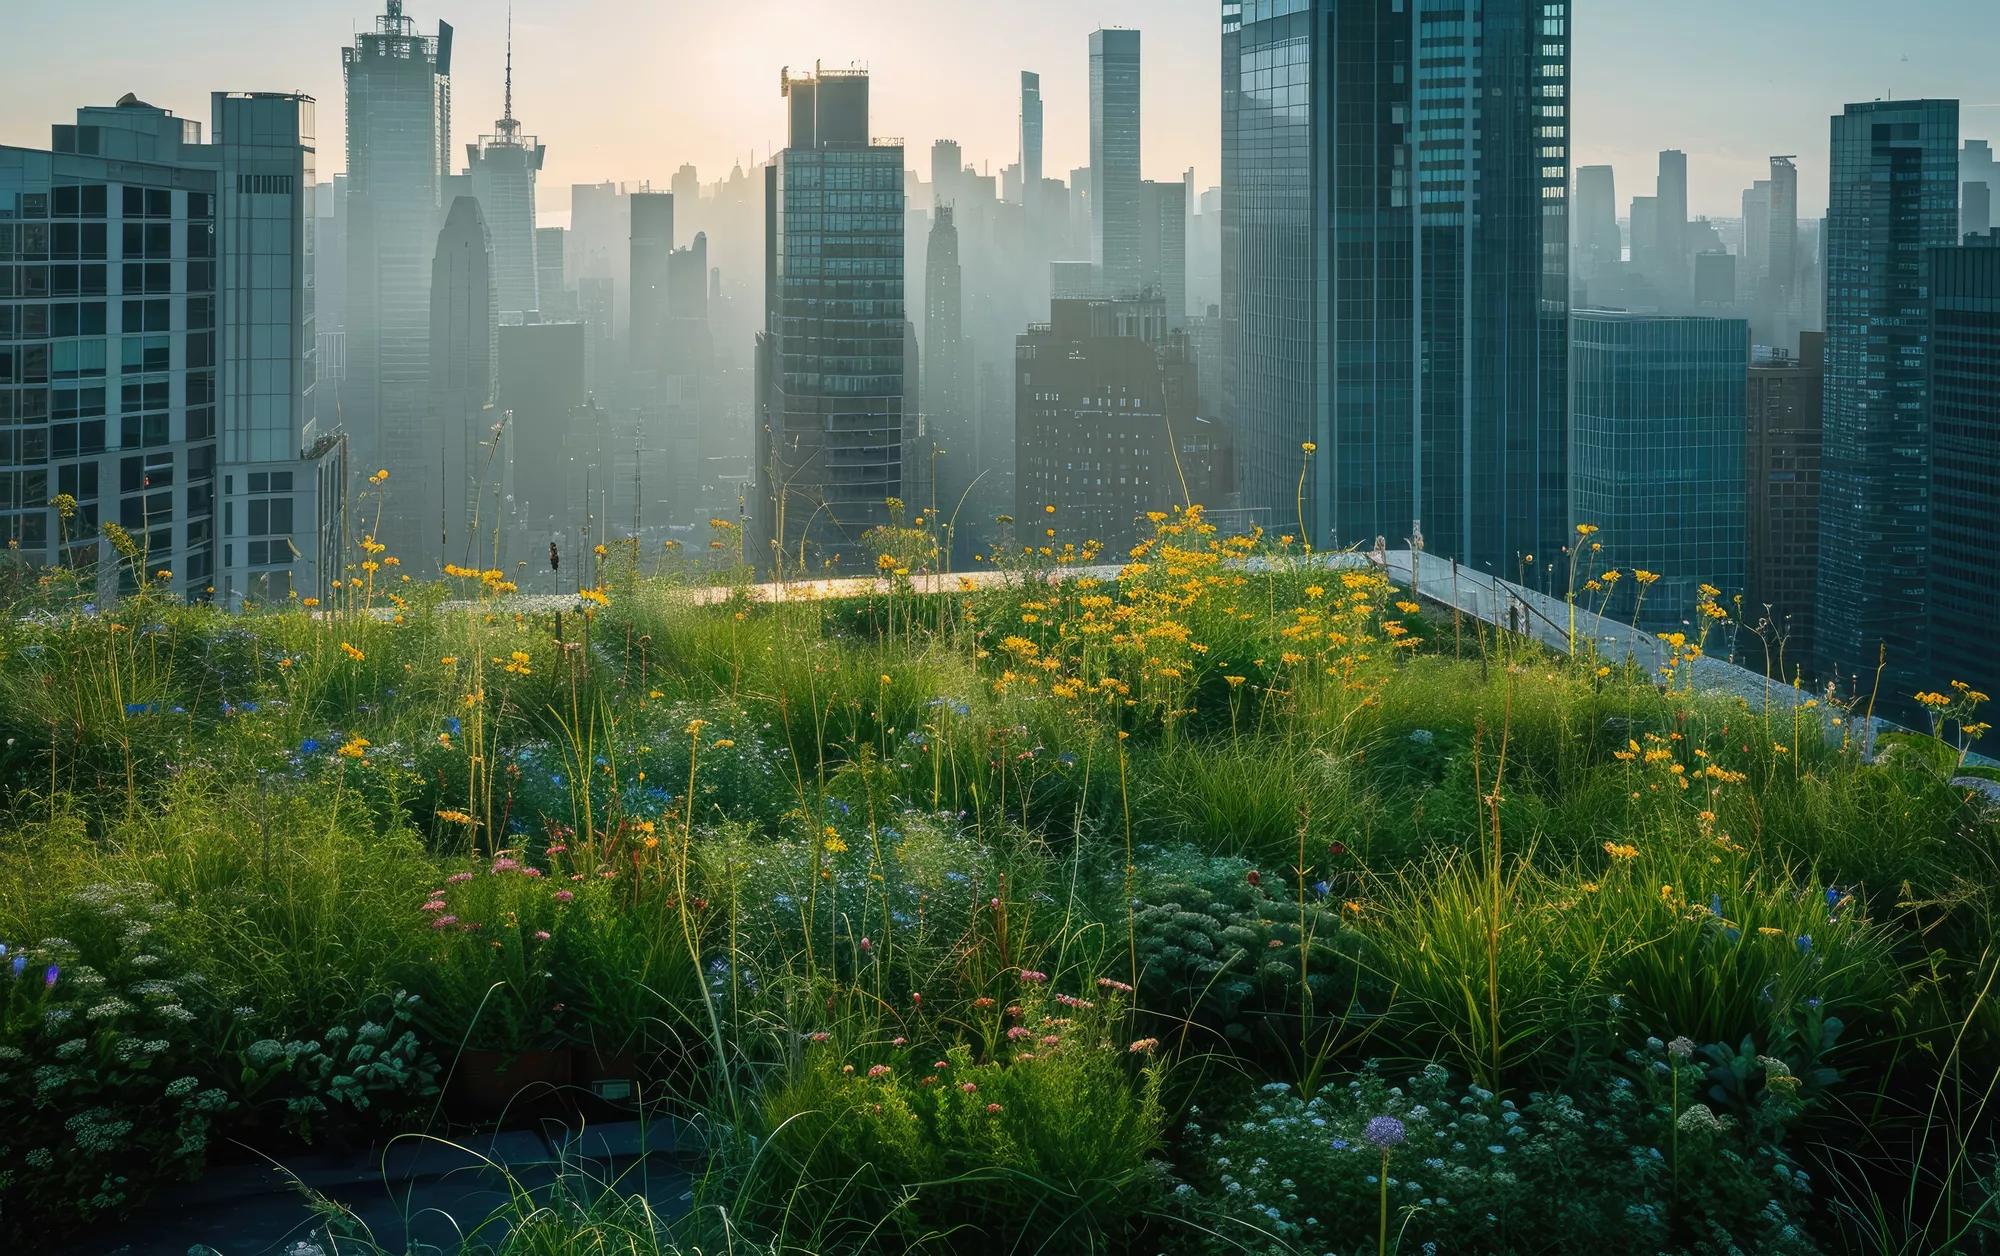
{"type": "Point", "coordinates": [508, 128]}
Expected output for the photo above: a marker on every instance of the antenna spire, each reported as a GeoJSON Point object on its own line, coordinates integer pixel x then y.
{"type": "Point", "coordinates": [508, 128]}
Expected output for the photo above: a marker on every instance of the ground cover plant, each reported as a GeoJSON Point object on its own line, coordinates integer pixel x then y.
{"type": "Point", "coordinates": [1238, 901]}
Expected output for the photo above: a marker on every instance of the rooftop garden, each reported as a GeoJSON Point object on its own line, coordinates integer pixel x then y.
{"type": "Point", "coordinates": [1223, 906]}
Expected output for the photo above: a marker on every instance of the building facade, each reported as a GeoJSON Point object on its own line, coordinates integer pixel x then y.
{"type": "Point", "coordinates": [158, 355]}
{"type": "Point", "coordinates": [837, 419]}
{"type": "Point", "coordinates": [1114, 161]}
{"type": "Point", "coordinates": [1398, 281]}
{"type": "Point", "coordinates": [1894, 198]}
{"type": "Point", "coordinates": [503, 167]}
{"type": "Point", "coordinates": [1964, 407]}
{"type": "Point", "coordinates": [398, 154]}
{"type": "Point", "coordinates": [1108, 425]}
{"type": "Point", "coordinates": [1656, 448]}
{"type": "Point", "coordinates": [1781, 462]}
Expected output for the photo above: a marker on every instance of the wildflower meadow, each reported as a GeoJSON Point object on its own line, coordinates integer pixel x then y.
{"type": "Point", "coordinates": [1230, 899]}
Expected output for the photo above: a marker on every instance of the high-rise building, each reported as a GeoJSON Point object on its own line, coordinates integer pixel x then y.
{"type": "Point", "coordinates": [1756, 267]}
{"type": "Point", "coordinates": [1114, 161]}
{"type": "Point", "coordinates": [329, 298]}
{"type": "Point", "coordinates": [539, 389]}
{"type": "Point", "coordinates": [834, 428]}
{"type": "Point", "coordinates": [465, 470]}
{"type": "Point", "coordinates": [1671, 225]}
{"type": "Point", "coordinates": [1975, 211]}
{"type": "Point", "coordinates": [1964, 405]}
{"type": "Point", "coordinates": [1107, 422]}
{"type": "Point", "coordinates": [1977, 165]}
{"type": "Point", "coordinates": [1408, 321]}
{"type": "Point", "coordinates": [1714, 279]}
{"type": "Point", "coordinates": [948, 447]}
{"type": "Point", "coordinates": [1894, 198]}
{"type": "Point", "coordinates": [1781, 258]}
{"type": "Point", "coordinates": [398, 154]}
{"type": "Point", "coordinates": [652, 249]}
{"type": "Point", "coordinates": [552, 290]}
{"type": "Point", "coordinates": [1163, 245]}
{"type": "Point", "coordinates": [1595, 242]}
{"type": "Point", "coordinates": [1645, 230]}
{"type": "Point", "coordinates": [1656, 455]}
{"type": "Point", "coordinates": [158, 349]}
{"type": "Point", "coordinates": [503, 166]}
{"type": "Point", "coordinates": [1031, 141]}
{"type": "Point", "coordinates": [947, 171]}
{"type": "Point", "coordinates": [1781, 502]}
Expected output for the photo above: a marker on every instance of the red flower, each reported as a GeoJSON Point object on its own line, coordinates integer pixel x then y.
{"type": "Point", "coordinates": [1252, 877]}
{"type": "Point", "coordinates": [1336, 848]}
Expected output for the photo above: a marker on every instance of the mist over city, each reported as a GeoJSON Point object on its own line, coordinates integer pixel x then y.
{"type": "Point", "coordinates": [1181, 626]}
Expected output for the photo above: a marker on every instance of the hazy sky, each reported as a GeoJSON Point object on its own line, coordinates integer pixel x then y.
{"type": "Point", "coordinates": [630, 89]}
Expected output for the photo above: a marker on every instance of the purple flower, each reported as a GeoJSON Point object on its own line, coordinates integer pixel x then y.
{"type": "Point", "coordinates": [49, 977]}
{"type": "Point", "coordinates": [1385, 1132]}
{"type": "Point", "coordinates": [20, 964]}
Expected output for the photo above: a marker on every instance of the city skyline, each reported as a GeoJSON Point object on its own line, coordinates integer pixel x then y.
{"type": "Point", "coordinates": [693, 87]}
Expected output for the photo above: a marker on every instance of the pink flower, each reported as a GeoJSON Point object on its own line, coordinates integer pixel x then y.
{"type": "Point", "coordinates": [457, 878]}
{"type": "Point", "coordinates": [564, 896]}
{"type": "Point", "coordinates": [1050, 1040]}
{"type": "Point", "coordinates": [1032, 977]}
{"type": "Point", "coordinates": [531, 872]}
{"type": "Point", "coordinates": [900, 1042]}
{"type": "Point", "coordinates": [1143, 1046]}
{"type": "Point", "coordinates": [992, 1109]}
{"type": "Point", "coordinates": [557, 849]}
{"type": "Point", "coordinates": [436, 904]}
{"type": "Point", "coordinates": [1106, 983]}
{"type": "Point", "coordinates": [505, 865]}
{"type": "Point", "coordinates": [444, 922]}
{"type": "Point", "coordinates": [541, 935]}
{"type": "Point", "coordinates": [866, 945]}
{"type": "Point", "coordinates": [942, 1064]}
{"type": "Point", "coordinates": [968, 1087]}
{"type": "Point", "coordinates": [821, 1036]}
{"type": "Point", "coordinates": [1018, 1032]}
{"type": "Point", "coordinates": [916, 998]}
{"type": "Point", "coordinates": [1070, 1000]}
{"type": "Point", "coordinates": [880, 1070]}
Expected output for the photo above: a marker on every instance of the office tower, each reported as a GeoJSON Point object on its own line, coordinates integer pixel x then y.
{"type": "Point", "coordinates": [1781, 486]}
{"type": "Point", "coordinates": [833, 432]}
{"type": "Point", "coordinates": [398, 154]}
{"type": "Point", "coordinates": [552, 290]}
{"type": "Point", "coordinates": [1410, 323]}
{"type": "Point", "coordinates": [503, 166]}
{"type": "Point", "coordinates": [1672, 224]}
{"type": "Point", "coordinates": [539, 389]}
{"type": "Point", "coordinates": [157, 350]}
{"type": "Point", "coordinates": [1782, 256]}
{"type": "Point", "coordinates": [1163, 245]}
{"type": "Point", "coordinates": [1107, 423]}
{"type": "Point", "coordinates": [686, 187]}
{"type": "Point", "coordinates": [1756, 266]}
{"type": "Point", "coordinates": [1656, 455]}
{"type": "Point", "coordinates": [947, 172]}
{"type": "Point", "coordinates": [1894, 198]}
{"type": "Point", "coordinates": [1714, 278]}
{"type": "Point", "coordinates": [652, 247]}
{"type": "Point", "coordinates": [465, 470]}
{"type": "Point", "coordinates": [1975, 208]}
{"type": "Point", "coordinates": [1977, 165]}
{"type": "Point", "coordinates": [1596, 244]}
{"type": "Point", "coordinates": [329, 298]}
{"type": "Point", "coordinates": [948, 447]}
{"type": "Point", "coordinates": [600, 247]}
{"type": "Point", "coordinates": [1964, 404]}
{"type": "Point", "coordinates": [1645, 230]}
{"type": "Point", "coordinates": [1114, 161]}
{"type": "Point", "coordinates": [1031, 142]}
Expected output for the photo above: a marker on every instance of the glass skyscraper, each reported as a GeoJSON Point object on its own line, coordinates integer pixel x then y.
{"type": "Point", "coordinates": [836, 424]}
{"type": "Point", "coordinates": [1964, 397]}
{"type": "Point", "coordinates": [1396, 270]}
{"type": "Point", "coordinates": [1894, 197]}
{"type": "Point", "coordinates": [1656, 456]}
{"type": "Point", "coordinates": [1114, 161]}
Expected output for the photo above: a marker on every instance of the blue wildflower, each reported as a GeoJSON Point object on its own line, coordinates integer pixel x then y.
{"type": "Point", "coordinates": [452, 724]}
{"type": "Point", "coordinates": [20, 964]}
{"type": "Point", "coordinates": [49, 977]}
{"type": "Point", "coordinates": [1833, 897]}
{"type": "Point", "coordinates": [1321, 888]}
{"type": "Point", "coordinates": [1805, 943]}
{"type": "Point", "coordinates": [309, 745]}
{"type": "Point", "coordinates": [1067, 758]}
{"type": "Point", "coordinates": [1715, 905]}
{"type": "Point", "coordinates": [1385, 1132]}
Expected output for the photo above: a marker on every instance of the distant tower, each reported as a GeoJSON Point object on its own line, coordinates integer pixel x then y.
{"type": "Point", "coordinates": [398, 148]}
{"type": "Point", "coordinates": [1114, 160]}
{"type": "Point", "coordinates": [1031, 140]}
{"type": "Point", "coordinates": [503, 166]}
{"type": "Point", "coordinates": [463, 331]}
{"type": "Point", "coordinates": [946, 405]}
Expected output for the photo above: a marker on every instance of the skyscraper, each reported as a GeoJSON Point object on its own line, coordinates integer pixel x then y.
{"type": "Point", "coordinates": [1782, 256]}
{"type": "Point", "coordinates": [503, 166]}
{"type": "Point", "coordinates": [1781, 467]}
{"type": "Point", "coordinates": [1031, 142]}
{"type": "Point", "coordinates": [1114, 160]}
{"type": "Point", "coordinates": [832, 433]}
{"type": "Point", "coordinates": [1163, 245]}
{"type": "Point", "coordinates": [1595, 241]}
{"type": "Point", "coordinates": [1656, 450]}
{"type": "Point", "coordinates": [1977, 165]}
{"type": "Point", "coordinates": [1894, 198]}
{"type": "Point", "coordinates": [1409, 320]}
{"type": "Point", "coordinates": [651, 250]}
{"type": "Point", "coordinates": [398, 154]}
{"type": "Point", "coordinates": [464, 467]}
{"type": "Point", "coordinates": [1672, 224]}
{"type": "Point", "coordinates": [1964, 405]}
{"type": "Point", "coordinates": [950, 450]}
{"type": "Point", "coordinates": [157, 352]}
